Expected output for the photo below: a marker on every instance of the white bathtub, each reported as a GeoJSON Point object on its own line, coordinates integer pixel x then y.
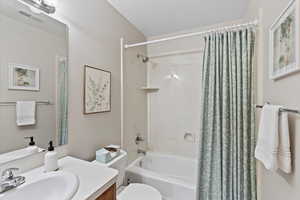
{"type": "Point", "coordinates": [173, 176]}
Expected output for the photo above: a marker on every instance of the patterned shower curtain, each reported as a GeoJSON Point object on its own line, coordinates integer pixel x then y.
{"type": "Point", "coordinates": [227, 168]}
{"type": "Point", "coordinates": [62, 101]}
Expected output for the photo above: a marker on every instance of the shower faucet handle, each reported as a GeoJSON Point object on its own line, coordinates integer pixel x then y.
{"type": "Point", "coordinates": [139, 139]}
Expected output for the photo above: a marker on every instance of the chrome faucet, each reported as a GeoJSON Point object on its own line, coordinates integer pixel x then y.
{"type": "Point", "coordinates": [139, 139]}
{"type": "Point", "coordinates": [140, 151]}
{"type": "Point", "coordinates": [8, 181]}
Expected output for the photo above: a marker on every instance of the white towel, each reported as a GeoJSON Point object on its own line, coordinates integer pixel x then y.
{"type": "Point", "coordinates": [25, 111]}
{"type": "Point", "coordinates": [273, 145]}
{"type": "Point", "coordinates": [284, 158]}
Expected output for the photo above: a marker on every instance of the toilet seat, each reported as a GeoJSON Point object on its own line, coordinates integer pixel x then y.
{"type": "Point", "coordinates": [136, 191]}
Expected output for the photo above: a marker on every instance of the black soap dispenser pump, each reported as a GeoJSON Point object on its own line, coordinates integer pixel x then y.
{"type": "Point", "coordinates": [31, 143]}
{"type": "Point", "coordinates": [32, 148]}
{"type": "Point", "coordinates": [51, 159]}
{"type": "Point", "coordinates": [51, 147]}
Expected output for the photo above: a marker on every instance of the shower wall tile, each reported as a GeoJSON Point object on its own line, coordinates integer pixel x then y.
{"type": "Point", "coordinates": [175, 109]}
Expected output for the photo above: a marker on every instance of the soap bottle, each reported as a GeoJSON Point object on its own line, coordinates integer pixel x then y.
{"type": "Point", "coordinates": [32, 148]}
{"type": "Point", "coordinates": [51, 159]}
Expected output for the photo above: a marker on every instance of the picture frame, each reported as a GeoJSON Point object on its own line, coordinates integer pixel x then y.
{"type": "Point", "coordinates": [284, 43]}
{"type": "Point", "coordinates": [22, 77]}
{"type": "Point", "coordinates": [97, 90]}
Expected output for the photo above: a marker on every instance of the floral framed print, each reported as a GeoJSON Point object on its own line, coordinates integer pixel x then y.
{"type": "Point", "coordinates": [21, 77]}
{"type": "Point", "coordinates": [97, 90]}
{"type": "Point", "coordinates": [284, 42]}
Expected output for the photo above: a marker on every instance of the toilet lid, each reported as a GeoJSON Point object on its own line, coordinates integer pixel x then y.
{"type": "Point", "coordinates": [137, 191]}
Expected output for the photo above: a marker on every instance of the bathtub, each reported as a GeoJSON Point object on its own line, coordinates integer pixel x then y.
{"type": "Point", "coordinates": [173, 176]}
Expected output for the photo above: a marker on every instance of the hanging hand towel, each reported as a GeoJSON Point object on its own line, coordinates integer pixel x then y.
{"type": "Point", "coordinates": [268, 137]}
{"type": "Point", "coordinates": [273, 145]}
{"type": "Point", "coordinates": [25, 111]}
{"type": "Point", "coordinates": [284, 150]}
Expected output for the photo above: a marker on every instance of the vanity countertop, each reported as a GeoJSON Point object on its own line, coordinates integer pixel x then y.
{"type": "Point", "coordinates": [94, 179]}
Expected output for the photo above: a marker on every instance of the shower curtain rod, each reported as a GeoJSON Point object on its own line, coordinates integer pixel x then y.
{"type": "Point", "coordinates": [225, 28]}
{"type": "Point", "coordinates": [176, 53]}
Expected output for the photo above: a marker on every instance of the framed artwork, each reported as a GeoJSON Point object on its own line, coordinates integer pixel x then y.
{"type": "Point", "coordinates": [97, 90]}
{"type": "Point", "coordinates": [22, 77]}
{"type": "Point", "coordinates": [284, 42]}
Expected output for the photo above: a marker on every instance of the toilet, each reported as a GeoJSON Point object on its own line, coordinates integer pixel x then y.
{"type": "Point", "coordinates": [134, 191]}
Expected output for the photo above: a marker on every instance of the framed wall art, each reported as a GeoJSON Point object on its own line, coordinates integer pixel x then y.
{"type": "Point", "coordinates": [284, 42]}
{"type": "Point", "coordinates": [97, 90]}
{"type": "Point", "coordinates": [21, 77]}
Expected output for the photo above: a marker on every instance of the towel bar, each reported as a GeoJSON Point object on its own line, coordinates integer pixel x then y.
{"type": "Point", "coordinates": [5, 103]}
{"type": "Point", "coordinates": [282, 109]}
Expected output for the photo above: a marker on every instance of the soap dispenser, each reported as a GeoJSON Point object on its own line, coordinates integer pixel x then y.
{"type": "Point", "coordinates": [51, 159]}
{"type": "Point", "coordinates": [32, 148]}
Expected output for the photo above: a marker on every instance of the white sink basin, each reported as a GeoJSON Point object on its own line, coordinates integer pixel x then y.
{"type": "Point", "coordinates": [50, 186]}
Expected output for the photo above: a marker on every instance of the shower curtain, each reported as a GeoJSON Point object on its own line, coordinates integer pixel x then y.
{"type": "Point", "coordinates": [227, 168]}
{"type": "Point", "coordinates": [62, 101]}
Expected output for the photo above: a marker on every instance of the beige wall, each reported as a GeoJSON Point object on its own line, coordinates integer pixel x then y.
{"type": "Point", "coordinates": [21, 44]}
{"type": "Point", "coordinates": [94, 38]}
{"type": "Point", "coordinates": [277, 186]}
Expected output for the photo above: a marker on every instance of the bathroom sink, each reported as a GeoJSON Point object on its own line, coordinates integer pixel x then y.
{"type": "Point", "coordinates": [50, 186]}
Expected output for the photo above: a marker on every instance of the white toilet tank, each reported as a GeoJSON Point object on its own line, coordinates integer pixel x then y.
{"type": "Point", "coordinates": [119, 163]}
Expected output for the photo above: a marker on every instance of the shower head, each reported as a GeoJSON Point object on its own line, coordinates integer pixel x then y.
{"type": "Point", "coordinates": [145, 59]}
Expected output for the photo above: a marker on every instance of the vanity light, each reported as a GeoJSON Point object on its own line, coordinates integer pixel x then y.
{"type": "Point", "coordinates": [44, 5]}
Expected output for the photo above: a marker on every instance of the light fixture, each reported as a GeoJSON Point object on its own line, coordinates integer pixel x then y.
{"type": "Point", "coordinates": [44, 5]}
